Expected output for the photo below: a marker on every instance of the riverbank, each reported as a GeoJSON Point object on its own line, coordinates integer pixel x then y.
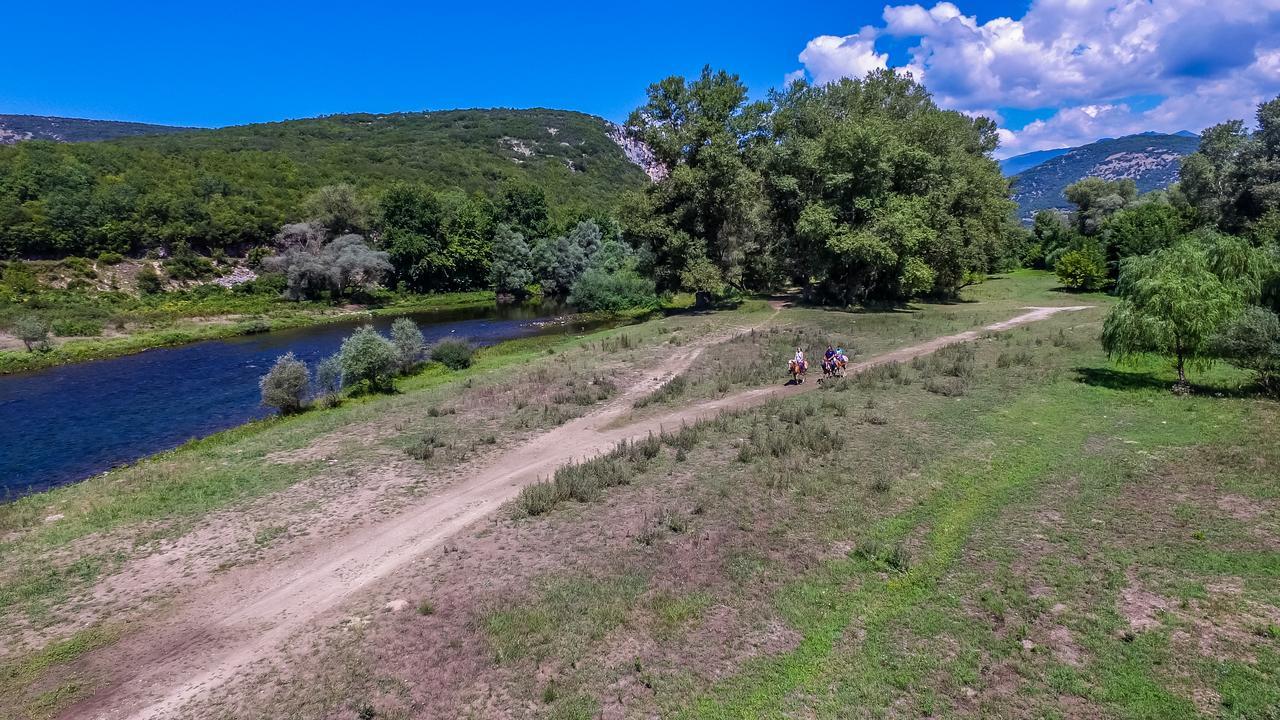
{"type": "Point", "coordinates": [183, 320]}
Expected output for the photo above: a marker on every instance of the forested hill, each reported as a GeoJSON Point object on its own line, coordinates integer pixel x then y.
{"type": "Point", "coordinates": [218, 188]}
{"type": "Point", "coordinates": [569, 154]}
{"type": "Point", "coordinates": [16, 128]}
{"type": "Point", "coordinates": [1152, 160]}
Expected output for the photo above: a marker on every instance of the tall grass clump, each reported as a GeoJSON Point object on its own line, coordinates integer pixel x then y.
{"type": "Point", "coordinates": [785, 436]}
{"type": "Point", "coordinates": [585, 481]}
{"type": "Point", "coordinates": [674, 388]}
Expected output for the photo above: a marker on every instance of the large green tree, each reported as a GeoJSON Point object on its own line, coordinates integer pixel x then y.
{"type": "Point", "coordinates": [436, 241]}
{"type": "Point", "coordinates": [881, 194]}
{"type": "Point", "coordinates": [709, 206]}
{"type": "Point", "coordinates": [1097, 199]}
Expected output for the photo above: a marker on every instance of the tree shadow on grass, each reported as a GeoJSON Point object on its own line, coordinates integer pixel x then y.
{"type": "Point", "coordinates": [1138, 380]}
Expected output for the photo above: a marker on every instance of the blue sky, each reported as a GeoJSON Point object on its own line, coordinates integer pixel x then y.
{"type": "Point", "coordinates": [189, 63]}
{"type": "Point", "coordinates": [233, 62]}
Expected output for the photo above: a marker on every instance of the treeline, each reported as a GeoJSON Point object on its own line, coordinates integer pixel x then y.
{"type": "Point", "coordinates": [1231, 186]}
{"type": "Point", "coordinates": [857, 190]}
{"type": "Point", "coordinates": [1196, 266]}
{"type": "Point", "coordinates": [234, 188]}
{"type": "Point", "coordinates": [417, 240]}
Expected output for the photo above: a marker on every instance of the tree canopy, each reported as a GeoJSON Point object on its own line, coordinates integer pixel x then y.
{"type": "Point", "coordinates": [858, 189]}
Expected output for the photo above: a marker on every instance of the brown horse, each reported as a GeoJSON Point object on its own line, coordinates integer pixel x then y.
{"type": "Point", "coordinates": [834, 367]}
{"type": "Point", "coordinates": [797, 370]}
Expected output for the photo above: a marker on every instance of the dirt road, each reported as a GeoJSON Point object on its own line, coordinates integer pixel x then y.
{"type": "Point", "coordinates": [220, 630]}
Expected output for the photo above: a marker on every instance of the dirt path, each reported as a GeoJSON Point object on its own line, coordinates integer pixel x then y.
{"type": "Point", "coordinates": [218, 631]}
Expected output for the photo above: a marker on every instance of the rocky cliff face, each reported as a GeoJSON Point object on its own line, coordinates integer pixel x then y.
{"type": "Point", "coordinates": [637, 152]}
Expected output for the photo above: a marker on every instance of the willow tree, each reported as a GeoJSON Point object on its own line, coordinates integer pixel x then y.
{"type": "Point", "coordinates": [1174, 300]}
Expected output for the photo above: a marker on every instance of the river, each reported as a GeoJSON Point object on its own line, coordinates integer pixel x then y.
{"type": "Point", "coordinates": [67, 423]}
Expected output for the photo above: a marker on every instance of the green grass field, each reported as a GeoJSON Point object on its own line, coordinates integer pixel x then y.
{"type": "Point", "coordinates": [1017, 527]}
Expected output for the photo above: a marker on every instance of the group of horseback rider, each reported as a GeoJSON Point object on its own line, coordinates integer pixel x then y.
{"type": "Point", "coordinates": [834, 361]}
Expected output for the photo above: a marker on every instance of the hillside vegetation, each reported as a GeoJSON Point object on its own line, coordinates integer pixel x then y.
{"type": "Point", "coordinates": [17, 128]}
{"type": "Point", "coordinates": [1151, 160]}
{"type": "Point", "coordinates": [236, 186]}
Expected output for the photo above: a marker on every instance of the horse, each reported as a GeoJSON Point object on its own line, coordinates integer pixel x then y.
{"type": "Point", "coordinates": [834, 367]}
{"type": "Point", "coordinates": [797, 370]}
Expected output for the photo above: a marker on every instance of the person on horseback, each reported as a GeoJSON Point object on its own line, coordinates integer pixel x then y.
{"type": "Point", "coordinates": [840, 356]}
{"type": "Point", "coordinates": [800, 359]}
{"type": "Point", "coordinates": [828, 360]}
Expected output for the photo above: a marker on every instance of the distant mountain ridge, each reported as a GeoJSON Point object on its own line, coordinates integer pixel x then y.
{"type": "Point", "coordinates": [1152, 160]}
{"type": "Point", "coordinates": [1018, 163]}
{"type": "Point", "coordinates": [16, 128]}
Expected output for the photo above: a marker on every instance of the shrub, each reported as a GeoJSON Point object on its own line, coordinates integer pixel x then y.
{"type": "Point", "coordinates": [368, 357]}
{"type": "Point", "coordinates": [453, 354]}
{"type": "Point", "coordinates": [285, 384]}
{"type": "Point", "coordinates": [585, 481]}
{"type": "Point", "coordinates": [254, 326]}
{"type": "Point", "coordinates": [256, 255]}
{"type": "Point", "coordinates": [424, 448]}
{"type": "Point", "coordinates": [409, 343]}
{"type": "Point", "coordinates": [185, 264]}
{"type": "Point", "coordinates": [946, 386]}
{"type": "Point", "coordinates": [33, 331]}
{"type": "Point", "coordinates": [1082, 269]}
{"type": "Point", "coordinates": [539, 498]}
{"type": "Point", "coordinates": [79, 266]}
{"type": "Point", "coordinates": [891, 556]}
{"type": "Point", "coordinates": [598, 290]}
{"type": "Point", "coordinates": [1252, 341]}
{"type": "Point", "coordinates": [110, 258]}
{"type": "Point", "coordinates": [149, 282]}
{"type": "Point", "coordinates": [77, 327]}
{"type": "Point", "coordinates": [672, 389]}
{"type": "Point", "coordinates": [329, 376]}
{"type": "Point", "coordinates": [19, 279]}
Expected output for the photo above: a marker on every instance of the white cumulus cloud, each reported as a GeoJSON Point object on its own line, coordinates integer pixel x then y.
{"type": "Point", "coordinates": [828, 57]}
{"type": "Point", "coordinates": [1081, 59]}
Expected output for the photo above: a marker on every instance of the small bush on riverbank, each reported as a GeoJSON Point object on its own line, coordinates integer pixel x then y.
{"type": "Point", "coordinates": [33, 331]}
{"type": "Point", "coordinates": [285, 385]}
{"type": "Point", "coordinates": [624, 289]}
{"type": "Point", "coordinates": [409, 343]}
{"type": "Point", "coordinates": [453, 354]}
{"type": "Point", "coordinates": [368, 357]}
{"type": "Point", "coordinates": [329, 379]}
{"type": "Point", "coordinates": [149, 282]}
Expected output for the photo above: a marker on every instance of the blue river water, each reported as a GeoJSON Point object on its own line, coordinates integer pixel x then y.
{"type": "Point", "coordinates": [67, 423]}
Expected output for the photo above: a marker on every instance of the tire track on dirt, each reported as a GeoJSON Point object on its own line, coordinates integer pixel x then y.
{"type": "Point", "coordinates": [222, 629]}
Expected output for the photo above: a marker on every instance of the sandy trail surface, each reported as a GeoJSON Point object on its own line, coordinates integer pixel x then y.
{"type": "Point", "coordinates": [218, 631]}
